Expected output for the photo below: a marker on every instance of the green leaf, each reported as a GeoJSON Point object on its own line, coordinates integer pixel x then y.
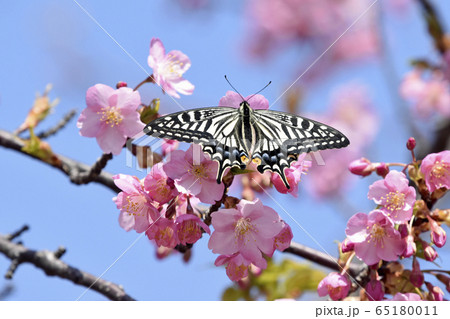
{"type": "Point", "coordinates": [150, 112]}
{"type": "Point", "coordinates": [238, 171]}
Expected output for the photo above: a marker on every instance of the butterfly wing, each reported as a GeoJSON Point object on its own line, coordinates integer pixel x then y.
{"type": "Point", "coordinates": [213, 128]}
{"type": "Point", "coordinates": [283, 136]}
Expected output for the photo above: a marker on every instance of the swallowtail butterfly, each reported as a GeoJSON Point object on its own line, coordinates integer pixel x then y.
{"type": "Point", "coordinates": [235, 136]}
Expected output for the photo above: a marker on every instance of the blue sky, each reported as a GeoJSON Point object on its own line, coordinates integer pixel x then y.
{"type": "Point", "coordinates": [56, 42]}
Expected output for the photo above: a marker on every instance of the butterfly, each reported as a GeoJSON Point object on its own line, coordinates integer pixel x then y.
{"type": "Point", "coordinates": [234, 137]}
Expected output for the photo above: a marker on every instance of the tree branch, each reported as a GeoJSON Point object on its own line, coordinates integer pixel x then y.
{"type": "Point", "coordinates": [50, 263]}
{"type": "Point", "coordinates": [68, 166]}
{"type": "Point", "coordinates": [323, 259]}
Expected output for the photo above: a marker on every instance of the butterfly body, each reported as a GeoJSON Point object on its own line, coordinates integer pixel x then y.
{"type": "Point", "coordinates": [272, 140]}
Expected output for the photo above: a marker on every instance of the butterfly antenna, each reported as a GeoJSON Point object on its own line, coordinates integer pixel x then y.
{"type": "Point", "coordinates": [260, 90]}
{"type": "Point", "coordinates": [234, 88]}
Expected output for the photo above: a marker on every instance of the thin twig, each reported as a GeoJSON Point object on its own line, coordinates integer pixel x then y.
{"type": "Point", "coordinates": [66, 119]}
{"type": "Point", "coordinates": [50, 263]}
{"type": "Point", "coordinates": [91, 175]}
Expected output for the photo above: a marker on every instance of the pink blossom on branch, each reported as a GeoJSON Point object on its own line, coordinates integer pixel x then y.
{"type": "Point", "coordinates": [249, 229]}
{"type": "Point", "coordinates": [168, 69]}
{"type": "Point", "coordinates": [410, 296]}
{"type": "Point", "coordinates": [189, 228]}
{"type": "Point", "coordinates": [395, 196]}
{"type": "Point", "coordinates": [436, 170]}
{"type": "Point", "coordinates": [293, 176]}
{"type": "Point", "coordinates": [159, 186]}
{"type": "Point", "coordinates": [236, 265]}
{"type": "Point", "coordinates": [110, 116]}
{"type": "Point", "coordinates": [335, 285]}
{"type": "Point", "coordinates": [195, 174]}
{"type": "Point", "coordinates": [163, 231]}
{"type": "Point", "coordinates": [136, 207]}
{"type": "Point", "coordinates": [375, 237]}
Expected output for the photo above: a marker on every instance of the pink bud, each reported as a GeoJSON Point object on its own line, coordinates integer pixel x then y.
{"type": "Point", "coordinates": [435, 292]}
{"type": "Point", "coordinates": [382, 169]}
{"type": "Point", "coordinates": [347, 246]}
{"type": "Point", "coordinates": [438, 235]}
{"type": "Point", "coordinates": [411, 143]}
{"type": "Point", "coordinates": [375, 290]}
{"type": "Point", "coordinates": [121, 84]}
{"type": "Point", "coordinates": [362, 167]}
{"type": "Point", "coordinates": [411, 247]}
{"type": "Point", "coordinates": [403, 230]}
{"type": "Point", "coordinates": [429, 252]}
{"type": "Point", "coordinates": [416, 277]}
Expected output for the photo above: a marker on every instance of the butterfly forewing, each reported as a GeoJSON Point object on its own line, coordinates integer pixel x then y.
{"type": "Point", "coordinates": [213, 128]}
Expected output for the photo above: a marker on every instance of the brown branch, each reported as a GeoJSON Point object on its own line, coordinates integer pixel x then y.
{"type": "Point", "coordinates": [50, 263]}
{"type": "Point", "coordinates": [323, 259]}
{"type": "Point", "coordinates": [68, 166]}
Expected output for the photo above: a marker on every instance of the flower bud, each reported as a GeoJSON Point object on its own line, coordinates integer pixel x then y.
{"type": "Point", "coordinates": [411, 247]}
{"type": "Point", "coordinates": [382, 169]}
{"type": "Point", "coordinates": [416, 277]}
{"type": "Point", "coordinates": [411, 143]}
{"type": "Point", "coordinates": [438, 235]}
{"type": "Point", "coordinates": [374, 290]}
{"type": "Point", "coordinates": [361, 167]}
{"type": "Point", "coordinates": [403, 230]}
{"type": "Point", "coordinates": [121, 84]}
{"type": "Point", "coordinates": [429, 252]}
{"type": "Point", "coordinates": [347, 246]}
{"type": "Point", "coordinates": [436, 293]}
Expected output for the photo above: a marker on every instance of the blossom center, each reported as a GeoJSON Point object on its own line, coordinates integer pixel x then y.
{"type": "Point", "coordinates": [173, 66]}
{"type": "Point", "coordinates": [243, 226]}
{"type": "Point", "coordinates": [111, 116]}
{"type": "Point", "coordinates": [134, 204]}
{"type": "Point", "coordinates": [377, 232]}
{"type": "Point", "coordinates": [439, 169]}
{"type": "Point", "coordinates": [198, 171]}
{"type": "Point", "coordinates": [395, 201]}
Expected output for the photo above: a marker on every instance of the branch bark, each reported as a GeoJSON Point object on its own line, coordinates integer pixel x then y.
{"type": "Point", "coordinates": [75, 170]}
{"type": "Point", "coordinates": [50, 263]}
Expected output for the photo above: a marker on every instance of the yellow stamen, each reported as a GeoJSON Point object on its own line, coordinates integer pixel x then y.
{"type": "Point", "coordinates": [111, 116]}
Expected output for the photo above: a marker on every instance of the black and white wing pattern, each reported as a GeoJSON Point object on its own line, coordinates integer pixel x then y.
{"type": "Point", "coordinates": [233, 137]}
{"type": "Point", "coordinates": [213, 128]}
{"type": "Point", "coordinates": [283, 136]}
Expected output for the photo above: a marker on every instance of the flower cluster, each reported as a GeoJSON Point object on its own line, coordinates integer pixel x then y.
{"type": "Point", "coordinates": [243, 235]}
{"type": "Point", "coordinates": [392, 230]}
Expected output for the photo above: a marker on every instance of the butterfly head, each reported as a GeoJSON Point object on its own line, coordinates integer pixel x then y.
{"type": "Point", "coordinates": [245, 109]}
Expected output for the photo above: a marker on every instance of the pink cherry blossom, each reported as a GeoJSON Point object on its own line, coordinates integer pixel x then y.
{"type": "Point", "coordinates": [164, 232]}
{"type": "Point", "coordinates": [428, 95]}
{"type": "Point", "coordinates": [160, 187]}
{"type": "Point", "coordinates": [168, 69]}
{"type": "Point", "coordinates": [189, 228]}
{"type": "Point", "coordinates": [395, 196]}
{"type": "Point", "coordinates": [411, 247]}
{"type": "Point", "coordinates": [436, 170]}
{"type": "Point", "coordinates": [249, 229]}
{"type": "Point", "coordinates": [293, 175]}
{"type": "Point", "coordinates": [335, 285]}
{"type": "Point", "coordinates": [375, 290]}
{"type": "Point", "coordinates": [409, 296]}
{"type": "Point", "coordinates": [361, 167]}
{"type": "Point", "coordinates": [110, 116]}
{"type": "Point", "coordinates": [194, 173]}
{"type": "Point", "coordinates": [375, 237]}
{"type": "Point", "coordinates": [236, 265]}
{"type": "Point", "coordinates": [233, 99]}
{"type": "Point", "coordinates": [136, 208]}
{"type": "Point", "coordinates": [284, 238]}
